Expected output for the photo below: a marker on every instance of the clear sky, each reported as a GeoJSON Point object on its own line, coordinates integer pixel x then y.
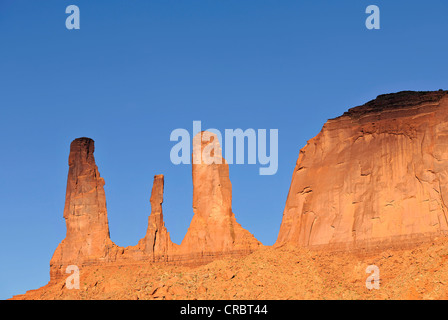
{"type": "Point", "coordinates": [136, 70]}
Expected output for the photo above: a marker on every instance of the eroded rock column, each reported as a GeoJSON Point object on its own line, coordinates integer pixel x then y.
{"type": "Point", "coordinates": [87, 239]}
{"type": "Point", "coordinates": [214, 230]}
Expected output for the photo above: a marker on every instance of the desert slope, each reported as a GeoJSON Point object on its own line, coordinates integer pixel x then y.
{"type": "Point", "coordinates": [269, 273]}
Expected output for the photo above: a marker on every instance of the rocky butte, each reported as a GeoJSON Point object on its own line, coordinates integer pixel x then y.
{"type": "Point", "coordinates": [213, 232]}
{"type": "Point", "coordinates": [375, 177]}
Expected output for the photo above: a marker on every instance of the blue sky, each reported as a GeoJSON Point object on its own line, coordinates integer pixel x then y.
{"type": "Point", "coordinates": [136, 70]}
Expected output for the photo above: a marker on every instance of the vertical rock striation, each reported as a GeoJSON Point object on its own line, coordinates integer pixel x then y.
{"type": "Point", "coordinates": [375, 176]}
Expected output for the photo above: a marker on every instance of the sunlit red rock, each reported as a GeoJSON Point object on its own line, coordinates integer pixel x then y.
{"type": "Point", "coordinates": [157, 243]}
{"type": "Point", "coordinates": [376, 176]}
{"type": "Point", "coordinates": [213, 230]}
{"type": "Point", "coordinates": [373, 178]}
{"type": "Point", "coordinates": [87, 239]}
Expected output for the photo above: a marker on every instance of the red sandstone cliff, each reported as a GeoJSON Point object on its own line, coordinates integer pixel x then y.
{"type": "Point", "coordinates": [375, 176]}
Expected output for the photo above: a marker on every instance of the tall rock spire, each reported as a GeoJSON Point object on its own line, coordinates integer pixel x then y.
{"type": "Point", "coordinates": [214, 230]}
{"type": "Point", "coordinates": [87, 239]}
{"type": "Point", "coordinates": [156, 243]}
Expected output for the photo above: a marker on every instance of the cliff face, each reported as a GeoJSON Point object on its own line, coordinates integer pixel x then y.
{"type": "Point", "coordinates": [213, 232]}
{"type": "Point", "coordinates": [375, 176]}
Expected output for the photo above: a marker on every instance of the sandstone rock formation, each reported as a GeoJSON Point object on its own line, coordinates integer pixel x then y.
{"type": "Point", "coordinates": [375, 176]}
{"type": "Point", "coordinates": [87, 239]}
{"type": "Point", "coordinates": [213, 232]}
{"type": "Point", "coordinates": [157, 243]}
